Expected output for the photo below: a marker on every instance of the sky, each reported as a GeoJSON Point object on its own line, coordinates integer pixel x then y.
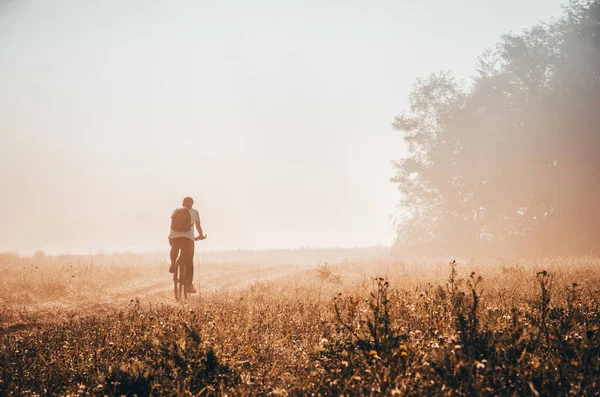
{"type": "Point", "coordinates": [275, 116]}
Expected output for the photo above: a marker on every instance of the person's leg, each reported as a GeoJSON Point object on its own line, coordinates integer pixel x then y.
{"type": "Point", "coordinates": [175, 248]}
{"type": "Point", "coordinates": [188, 248]}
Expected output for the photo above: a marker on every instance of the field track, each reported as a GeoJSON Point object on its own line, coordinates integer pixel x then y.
{"type": "Point", "coordinates": [156, 289]}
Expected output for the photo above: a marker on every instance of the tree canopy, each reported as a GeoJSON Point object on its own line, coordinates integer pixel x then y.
{"type": "Point", "coordinates": [510, 163]}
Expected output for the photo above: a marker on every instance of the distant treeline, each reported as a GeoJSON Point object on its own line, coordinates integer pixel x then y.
{"type": "Point", "coordinates": [299, 256]}
{"type": "Point", "coordinates": [508, 163]}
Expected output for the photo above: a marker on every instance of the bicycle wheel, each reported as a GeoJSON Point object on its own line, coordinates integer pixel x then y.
{"type": "Point", "coordinates": [176, 284]}
{"type": "Point", "coordinates": [185, 294]}
{"type": "Point", "coordinates": [179, 283]}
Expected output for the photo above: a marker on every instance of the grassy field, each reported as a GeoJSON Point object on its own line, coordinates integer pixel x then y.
{"type": "Point", "coordinates": [354, 328]}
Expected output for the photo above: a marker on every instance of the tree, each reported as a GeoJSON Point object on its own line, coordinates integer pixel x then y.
{"type": "Point", "coordinates": [510, 164]}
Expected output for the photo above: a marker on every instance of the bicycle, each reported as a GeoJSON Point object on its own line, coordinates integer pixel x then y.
{"type": "Point", "coordinates": [179, 277]}
{"type": "Point", "coordinates": [178, 285]}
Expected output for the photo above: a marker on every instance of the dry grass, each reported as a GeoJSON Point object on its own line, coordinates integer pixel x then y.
{"type": "Point", "coordinates": [406, 328]}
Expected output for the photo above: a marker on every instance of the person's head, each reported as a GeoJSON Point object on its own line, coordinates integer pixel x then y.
{"type": "Point", "coordinates": [188, 202]}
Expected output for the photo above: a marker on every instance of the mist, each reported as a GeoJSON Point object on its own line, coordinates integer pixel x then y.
{"type": "Point", "coordinates": [299, 198]}
{"type": "Point", "coordinates": [276, 119]}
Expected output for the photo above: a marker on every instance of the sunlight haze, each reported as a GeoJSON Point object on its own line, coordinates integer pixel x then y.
{"type": "Point", "coordinates": [274, 116]}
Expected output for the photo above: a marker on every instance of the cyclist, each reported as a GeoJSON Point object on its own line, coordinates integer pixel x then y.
{"type": "Point", "coordinates": [181, 240]}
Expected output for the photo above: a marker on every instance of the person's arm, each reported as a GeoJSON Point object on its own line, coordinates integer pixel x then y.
{"type": "Point", "coordinates": [199, 228]}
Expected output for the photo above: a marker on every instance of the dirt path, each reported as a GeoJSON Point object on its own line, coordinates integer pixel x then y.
{"type": "Point", "coordinates": [162, 290]}
{"type": "Point", "coordinates": [155, 288]}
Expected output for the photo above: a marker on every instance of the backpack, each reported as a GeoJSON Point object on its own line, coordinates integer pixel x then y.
{"type": "Point", "coordinates": [181, 220]}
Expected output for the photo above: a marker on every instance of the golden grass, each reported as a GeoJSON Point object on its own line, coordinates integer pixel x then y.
{"type": "Point", "coordinates": [328, 330]}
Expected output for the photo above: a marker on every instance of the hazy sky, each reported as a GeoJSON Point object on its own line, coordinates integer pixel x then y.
{"type": "Point", "coordinates": [275, 116]}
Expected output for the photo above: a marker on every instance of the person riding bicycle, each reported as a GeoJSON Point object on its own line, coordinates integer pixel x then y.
{"type": "Point", "coordinates": [181, 240]}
